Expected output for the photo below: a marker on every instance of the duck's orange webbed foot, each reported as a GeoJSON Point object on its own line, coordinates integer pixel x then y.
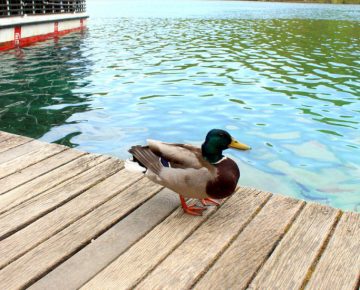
{"type": "Point", "coordinates": [209, 201]}
{"type": "Point", "coordinates": [191, 209]}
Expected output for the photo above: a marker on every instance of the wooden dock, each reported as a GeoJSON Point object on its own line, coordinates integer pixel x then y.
{"type": "Point", "coordinates": [71, 220]}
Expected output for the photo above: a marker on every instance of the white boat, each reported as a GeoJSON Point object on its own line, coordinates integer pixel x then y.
{"type": "Point", "coordinates": [23, 22]}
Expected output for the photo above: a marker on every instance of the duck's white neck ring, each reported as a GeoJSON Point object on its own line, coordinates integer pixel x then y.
{"type": "Point", "coordinates": [222, 159]}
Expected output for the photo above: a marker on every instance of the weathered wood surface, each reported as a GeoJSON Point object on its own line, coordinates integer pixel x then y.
{"type": "Point", "coordinates": [185, 264]}
{"type": "Point", "coordinates": [71, 220]}
{"type": "Point", "coordinates": [101, 252]}
{"type": "Point", "coordinates": [290, 262]}
{"type": "Point", "coordinates": [38, 169]}
{"type": "Point", "coordinates": [12, 142]}
{"type": "Point", "coordinates": [25, 213]}
{"type": "Point", "coordinates": [253, 245]}
{"type": "Point", "coordinates": [42, 183]}
{"type": "Point", "coordinates": [339, 266]}
{"type": "Point", "coordinates": [25, 160]}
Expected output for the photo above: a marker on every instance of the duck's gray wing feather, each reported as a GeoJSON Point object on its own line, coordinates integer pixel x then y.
{"type": "Point", "coordinates": [179, 155]}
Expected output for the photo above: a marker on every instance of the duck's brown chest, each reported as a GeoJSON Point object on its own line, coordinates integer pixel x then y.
{"type": "Point", "coordinates": [224, 184]}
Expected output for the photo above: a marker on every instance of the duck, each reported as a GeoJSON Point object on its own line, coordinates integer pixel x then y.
{"type": "Point", "coordinates": [194, 172]}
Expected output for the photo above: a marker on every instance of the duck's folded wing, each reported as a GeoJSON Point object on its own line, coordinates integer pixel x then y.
{"type": "Point", "coordinates": [179, 155]}
{"type": "Point", "coordinates": [188, 182]}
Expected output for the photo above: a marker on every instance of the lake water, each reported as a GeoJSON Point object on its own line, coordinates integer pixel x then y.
{"type": "Point", "coordinates": [283, 78]}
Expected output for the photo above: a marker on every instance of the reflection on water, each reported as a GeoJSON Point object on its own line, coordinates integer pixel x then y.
{"type": "Point", "coordinates": [38, 87]}
{"type": "Point", "coordinates": [286, 81]}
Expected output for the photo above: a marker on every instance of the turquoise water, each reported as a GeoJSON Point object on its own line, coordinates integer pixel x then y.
{"type": "Point", "coordinates": [283, 78]}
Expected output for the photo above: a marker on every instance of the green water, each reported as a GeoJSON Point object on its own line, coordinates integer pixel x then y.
{"type": "Point", "coordinates": [283, 78]}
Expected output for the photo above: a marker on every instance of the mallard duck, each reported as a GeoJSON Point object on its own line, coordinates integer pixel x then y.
{"type": "Point", "coordinates": [192, 172]}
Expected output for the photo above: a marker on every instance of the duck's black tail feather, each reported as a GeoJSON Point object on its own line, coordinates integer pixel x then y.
{"type": "Point", "coordinates": [146, 158]}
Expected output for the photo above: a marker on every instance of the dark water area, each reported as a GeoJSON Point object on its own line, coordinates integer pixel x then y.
{"type": "Point", "coordinates": [284, 78]}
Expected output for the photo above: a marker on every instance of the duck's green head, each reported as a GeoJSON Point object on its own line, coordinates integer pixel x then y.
{"type": "Point", "coordinates": [218, 140]}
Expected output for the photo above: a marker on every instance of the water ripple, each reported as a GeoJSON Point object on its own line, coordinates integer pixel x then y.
{"type": "Point", "coordinates": [284, 78]}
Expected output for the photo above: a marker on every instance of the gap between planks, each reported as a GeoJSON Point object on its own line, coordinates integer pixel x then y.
{"type": "Point", "coordinates": [60, 246]}
{"type": "Point", "coordinates": [45, 182]}
{"type": "Point", "coordinates": [40, 152]}
{"type": "Point", "coordinates": [40, 230]}
{"type": "Point", "coordinates": [33, 209]}
{"type": "Point", "coordinates": [288, 266]}
{"type": "Point", "coordinates": [321, 251]}
{"type": "Point", "coordinates": [102, 251]}
{"type": "Point", "coordinates": [36, 170]}
{"type": "Point", "coordinates": [157, 245]}
{"type": "Point", "coordinates": [252, 247]}
{"type": "Point", "coordinates": [339, 265]}
{"type": "Point", "coordinates": [12, 142]}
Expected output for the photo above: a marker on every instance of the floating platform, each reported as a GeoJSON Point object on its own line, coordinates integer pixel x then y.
{"type": "Point", "coordinates": [70, 220]}
{"type": "Point", "coordinates": [24, 22]}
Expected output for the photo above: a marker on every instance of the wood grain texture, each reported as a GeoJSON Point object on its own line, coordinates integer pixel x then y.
{"type": "Point", "coordinates": [36, 263]}
{"type": "Point", "coordinates": [27, 212]}
{"type": "Point", "coordinates": [38, 169]}
{"type": "Point", "coordinates": [18, 151]}
{"type": "Point", "coordinates": [4, 136]}
{"type": "Point", "coordinates": [288, 265]}
{"type": "Point", "coordinates": [30, 158]}
{"type": "Point", "coordinates": [12, 142]}
{"type": "Point", "coordinates": [38, 185]}
{"type": "Point", "coordinates": [154, 247]}
{"type": "Point", "coordinates": [148, 252]}
{"type": "Point", "coordinates": [339, 265]}
{"type": "Point", "coordinates": [102, 251]}
{"type": "Point", "coordinates": [236, 267]}
{"type": "Point", "coordinates": [185, 265]}
{"type": "Point", "coordinates": [24, 240]}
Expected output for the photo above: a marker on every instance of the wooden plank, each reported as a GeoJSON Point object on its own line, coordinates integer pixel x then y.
{"type": "Point", "coordinates": [237, 266]}
{"type": "Point", "coordinates": [35, 187]}
{"type": "Point", "coordinates": [38, 169]}
{"type": "Point", "coordinates": [288, 265]}
{"type": "Point", "coordinates": [24, 240]}
{"type": "Point", "coordinates": [23, 149]}
{"type": "Point", "coordinates": [184, 266]}
{"type": "Point", "coordinates": [31, 158]}
{"type": "Point", "coordinates": [62, 245]}
{"type": "Point", "coordinates": [25, 213]}
{"type": "Point", "coordinates": [154, 247]}
{"type": "Point", "coordinates": [10, 142]}
{"type": "Point", "coordinates": [4, 138]}
{"type": "Point", "coordinates": [339, 266]}
{"type": "Point", "coordinates": [99, 253]}
{"type": "Point", "coordinates": [4, 135]}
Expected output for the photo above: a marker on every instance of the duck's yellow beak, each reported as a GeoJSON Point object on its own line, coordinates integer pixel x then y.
{"type": "Point", "coordinates": [237, 145]}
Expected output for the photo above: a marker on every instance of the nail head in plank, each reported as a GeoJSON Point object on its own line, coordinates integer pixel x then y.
{"type": "Point", "coordinates": [38, 169]}
{"type": "Point", "coordinates": [23, 214]}
{"type": "Point", "coordinates": [185, 265]}
{"type": "Point", "coordinates": [26, 239]}
{"type": "Point", "coordinates": [289, 263]}
{"type": "Point", "coordinates": [236, 267]}
{"type": "Point", "coordinates": [59, 247]}
{"type": "Point", "coordinates": [99, 253]}
{"type": "Point", "coordinates": [154, 247]}
{"type": "Point", "coordinates": [339, 265]}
